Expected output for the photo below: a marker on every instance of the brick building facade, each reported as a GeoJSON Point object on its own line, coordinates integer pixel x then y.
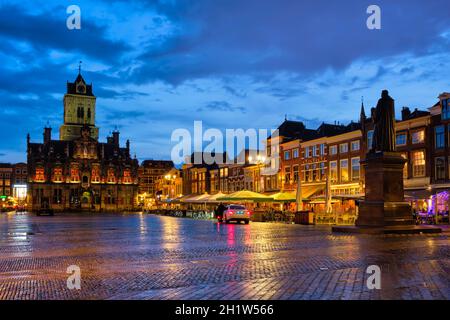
{"type": "Point", "coordinates": [77, 172]}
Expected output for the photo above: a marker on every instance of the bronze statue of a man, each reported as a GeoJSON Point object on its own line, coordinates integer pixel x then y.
{"type": "Point", "coordinates": [384, 123]}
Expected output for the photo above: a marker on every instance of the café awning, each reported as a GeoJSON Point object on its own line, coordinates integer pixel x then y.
{"type": "Point", "coordinates": [309, 191]}
{"type": "Point", "coordinates": [197, 198]}
{"type": "Point", "coordinates": [283, 197]}
{"type": "Point", "coordinates": [213, 198]}
{"type": "Point", "coordinates": [245, 195]}
{"type": "Point", "coordinates": [419, 194]}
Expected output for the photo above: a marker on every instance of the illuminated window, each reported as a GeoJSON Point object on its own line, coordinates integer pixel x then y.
{"type": "Point", "coordinates": [295, 153]}
{"type": "Point", "coordinates": [57, 175]}
{"type": "Point", "coordinates": [111, 176]}
{"type": "Point", "coordinates": [295, 169]}
{"type": "Point", "coordinates": [418, 136]}
{"type": "Point", "coordinates": [308, 174]}
{"type": "Point", "coordinates": [333, 171]}
{"type": "Point", "coordinates": [322, 171]}
{"type": "Point", "coordinates": [344, 170]}
{"type": "Point", "coordinates": [418, 163]}
{"type": "Point", "coordinates": [126, 176]}
{"type": "Point", "coordinates": [355, 169]}
{"type": "Point", "coordinates": [74, 174]}
{"type": "Point", "coordinates": [39, 175]}
{"type": "Point", "coordinates": [405, 168]}
{"type": "Point", "coordinates": [316, 172]}
{"type": "Point", "coordinates": [287, 175]}
{"type": "Point", "coordinates": [95, 175]}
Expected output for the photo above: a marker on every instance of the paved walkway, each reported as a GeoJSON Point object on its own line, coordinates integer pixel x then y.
{"type": "Point", "coordinates": [151, 257]}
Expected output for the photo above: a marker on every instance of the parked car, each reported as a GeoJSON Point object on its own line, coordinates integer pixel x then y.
{"type": "Point", "coordinates": [235, 212]}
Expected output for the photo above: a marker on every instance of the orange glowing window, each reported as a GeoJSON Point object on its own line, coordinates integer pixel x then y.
{"type": "Point", "coordinates": [111, 176]}
{"type": "Point", "coordinates": [39, 175]}
{"type": "Point", "coordinates": [95, 175]}
{"type": "Point", "coordinates": [57, 175]}
{"type": "Point", "coordinates": [74, 175]}
{"type": "Point", "coordinates": [127, 176]}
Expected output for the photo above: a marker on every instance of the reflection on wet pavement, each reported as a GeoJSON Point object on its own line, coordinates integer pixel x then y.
{"type": "Point", "coordinates": [137, 256]}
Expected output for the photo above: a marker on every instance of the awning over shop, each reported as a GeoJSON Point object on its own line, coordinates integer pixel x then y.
{"type": "Point", "coordinates": [357, 196]}
{"type": "Point", "coordinates": [197, 198]}
{"type": "Point", "coordinates": [321, 200]}
{"type": "Point", "coordinates": [184, 198]}
{"type": "Point", "coordinates": [419, 194]}
{"type": "Point", "coordinates": [283, 197]}
{"type": "Point", "coordinates": [309, 191]}
{"type": "Point", "coordinates": [245, 195]}
{"type": "Point", "coordinates": [213, 198]}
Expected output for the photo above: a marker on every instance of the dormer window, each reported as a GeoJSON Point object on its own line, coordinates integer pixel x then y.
{"type": "Point", "coordinates": [445, 109]}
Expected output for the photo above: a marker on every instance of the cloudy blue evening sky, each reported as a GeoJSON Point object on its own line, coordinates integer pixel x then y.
{"type": "Point", "coordinates": [159, 65]}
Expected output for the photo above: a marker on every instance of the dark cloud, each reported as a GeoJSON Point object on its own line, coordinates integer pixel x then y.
{"type": "Point", "coordinates": [239, 49]}
{"type": "Point", "coordinates": [45, 30]}
{"type": "Point", "coordinates": [242, 37]}
{"type": "Point", "coordinates": [223, 106]}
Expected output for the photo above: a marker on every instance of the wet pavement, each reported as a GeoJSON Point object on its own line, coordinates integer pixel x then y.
{"type": "Point", "coordinates": [137, 256]}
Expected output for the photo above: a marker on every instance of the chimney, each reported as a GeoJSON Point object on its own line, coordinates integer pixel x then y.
{"type": "Point", "coordinates": [406, 113]}
{"type": "Point", "coordinates": [47, 134]}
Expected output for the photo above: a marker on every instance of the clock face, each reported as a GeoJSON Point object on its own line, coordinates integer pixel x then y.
{"type": "Point", "coordinates": [81, 89]}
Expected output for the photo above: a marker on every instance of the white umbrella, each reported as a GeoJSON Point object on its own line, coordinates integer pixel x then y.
{"type": "Point", "coordinates": [298, 195]}
{"type": "Point", "coordinates": [328, 207]}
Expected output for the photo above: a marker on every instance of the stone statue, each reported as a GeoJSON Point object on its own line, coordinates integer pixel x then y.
{"type": "Point", "coordinates": [384, 125]}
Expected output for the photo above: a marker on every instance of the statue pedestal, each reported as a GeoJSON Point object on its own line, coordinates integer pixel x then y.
{"type": "Point", "coordinates": [384, 209]}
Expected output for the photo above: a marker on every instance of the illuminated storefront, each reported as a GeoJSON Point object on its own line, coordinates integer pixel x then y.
{"type": "Point", "coordinates": [20, 192]}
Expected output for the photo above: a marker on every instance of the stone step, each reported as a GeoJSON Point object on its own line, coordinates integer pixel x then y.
{"type": "Point", "coordinates": [398, 221]}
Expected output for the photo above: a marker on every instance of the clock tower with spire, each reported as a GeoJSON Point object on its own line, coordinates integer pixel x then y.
{"type": "Point", "coordinates": [79, 110]}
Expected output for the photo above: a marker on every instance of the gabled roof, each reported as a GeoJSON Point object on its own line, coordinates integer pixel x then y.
{"type": "Point", "coordinates": [292, 130]}
{"type": "Point", "coordinates": [72, 86]}
{"type": "Point", "coordinates": [164, 164]}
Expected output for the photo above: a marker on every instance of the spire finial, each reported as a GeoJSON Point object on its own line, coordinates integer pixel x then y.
{"type": "Point", "coordinates": [285, 117]}
{"type": "Point", "coordinates": [362, 115]}
{"type": "Point", "coordinates": [79, 67]}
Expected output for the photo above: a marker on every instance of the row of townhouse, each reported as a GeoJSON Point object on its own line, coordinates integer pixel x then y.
{"type": "Point", "coordinates": [336, 151]}
{"type": "Point", "coordinates": [423, 138]}
{"type": "Point", "coordinates": [13, 182]}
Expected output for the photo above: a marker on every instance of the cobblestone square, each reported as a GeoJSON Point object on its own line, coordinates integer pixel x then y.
{"type": "Point", "coordinates": [135, 256]}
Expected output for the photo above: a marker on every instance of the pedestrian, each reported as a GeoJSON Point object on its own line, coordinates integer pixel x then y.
{"type": "Point", "coordinates": [219, 210]}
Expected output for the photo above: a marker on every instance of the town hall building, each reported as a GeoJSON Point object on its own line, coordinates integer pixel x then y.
{"type": "Point", "coordinates": [77, 172]}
